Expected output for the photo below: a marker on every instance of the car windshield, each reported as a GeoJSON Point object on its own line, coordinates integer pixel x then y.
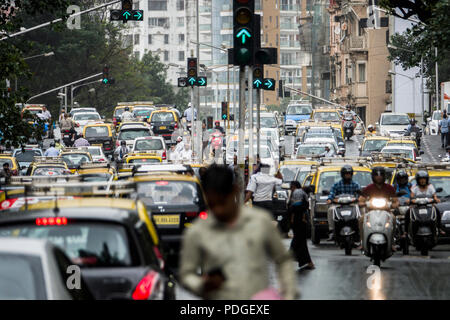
{"type": "Point", "coordinates": [301, 176]}
{"type": "Point", "coordinates": [162, 117]}
{"type": "Point", "coordinates": [142, 112]}
{"type": "Point", "coordinates": [144, 160]}
{"type": "Point", "coordinates": [441, 182]}
{"type": "Point", "coordinates": [49, 171]}
{"type": "Point", "coordinates": [329, 178]}
{"type": "Point", "coordinates": [3, 161]}
{"type": "Point", "coordinates": [118, 112]}
{"type": "Point", "coordinates": [310, 150]}
{"type": "Point", "coordinates": [86, 244]}
{"type": "Point", "coordinates": [95, 151]}
{"type": "Point", "coordinates": [395, 120]}
{"type": "Point", "coordinates": [327, 116]}
{"type": "Point", "coordinates": [93, 132]}
{"type": "Point", "coordinates": [374, 145]}
{"type": "Point", "coordinates": [75, 159]}
{"type": "Point", "coordinates": [317, 134]}
{"type": "Point", "coordinates": [131, 134]}
{"type": "Point", "coordinates": [302, 110]}
{"type": "Point", "coordinates": [22, 277]}
{"type": "Point", "coordinates": [86, 116]}
{"type": "Point", "coordinates": [268, 122]}
{"type": "Point", "coordinates": [169, 193]}
{"type": "Point", "coordinates": [408, 154]}
{"type": "Point", "coordinates": [150, 144]}
{"type": "Point", "coordinates": [264, 152]}
{"type": "Point", "coordinates": [437, 116]}
{"type": "Point", "coordinates": [288, 172]}
{"type": "Point", "coordinates": [26, 156]}
{"type": "Point", "coordinates": [74, 111]}
{"type": "Point", "coordinates": [95, 177]}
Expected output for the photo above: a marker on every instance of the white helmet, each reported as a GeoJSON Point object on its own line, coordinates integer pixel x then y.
{"type": "Point", "coordinates": [370, 127]}
{"type": "Point", "coordinates": [189, 104]}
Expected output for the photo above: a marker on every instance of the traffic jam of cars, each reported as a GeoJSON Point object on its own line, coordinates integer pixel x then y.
{"type": "Point", "coordinates": [117, 207]}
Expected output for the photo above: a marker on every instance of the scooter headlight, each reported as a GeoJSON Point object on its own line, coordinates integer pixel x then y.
{"type": "Point", "coordinates": [387, 225]}
{"type": "Point", "coordinates": [368, 224]}
{"type": "Point", "coordinates": [378, 203]}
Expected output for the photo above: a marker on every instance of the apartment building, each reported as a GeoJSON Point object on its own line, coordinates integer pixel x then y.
{"type": "Point", "coordinates": [358, 59]}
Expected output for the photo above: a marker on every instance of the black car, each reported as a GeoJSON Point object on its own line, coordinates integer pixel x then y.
{"type": "Point", "coordinates": [112, 240]}
{"type": "Point", "coordinates": [164, 123]}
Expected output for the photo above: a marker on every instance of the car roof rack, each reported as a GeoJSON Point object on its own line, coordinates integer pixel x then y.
{"type": "Point", "coordinates": [75, 149]}
{"type": "Point", "coordinates": [388, 157]}
{"type": "Point", "coordinates": [432, 166]}
{"type": "Point", "coordinates": [48, 160]}
{"type": "Point", "coordinates": [149, 168]}
{"type": "Point", "coordinates": [360, 161]}
{"type": "Point", "coordinates": [96, 165]}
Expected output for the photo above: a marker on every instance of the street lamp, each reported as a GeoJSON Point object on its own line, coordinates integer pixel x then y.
{"type": "Point", "coordinates": [48, 54]}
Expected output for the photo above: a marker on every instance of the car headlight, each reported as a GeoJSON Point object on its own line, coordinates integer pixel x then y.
{"type": "Point", "coordinates": [446, 215]}
{"type": "Point", "coordinates": [378, 203]}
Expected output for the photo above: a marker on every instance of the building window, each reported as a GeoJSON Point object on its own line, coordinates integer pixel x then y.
{"type": "Point", "coordinates": [166, 55]}
{"type": "Point", "coordinates": [180, 55]}
{"type": "Point", "coordinates": [276, 22]}
{"type": "Point", "coordinates": [180, 21]}
{"type": "Point", "coordinates": [276, 40]}
{"type": "Point", "coordinates": [181, 38]}
{"type": "Point", "coordinates": [136, 5]}
{"type": "Point", "coordinates": [267, 37]}
{"type": "Point", "coordinates": [149, 39]}
{"type": "Point", "coordinates": [362, 72]}
{"type": "Point", "coordinates": [136, 55]}
{"type": "Point", "coordinates": [180, 5]}
{"type": "Point", "coordinates": [270, 19]}
{"type": "Point", "coordinates": [136, 39]}
{"type": "Point", "coordinates": [166, 39]}
{"type": "Point", "coordinates": [158, 22]}
{"type": "Point", "coordinates": [157, 5]}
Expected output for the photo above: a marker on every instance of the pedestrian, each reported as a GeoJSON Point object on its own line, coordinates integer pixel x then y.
{"type": "Point", "coordinates": [188, 113]}
{"type": "Point", "coordinates": [443, 129]}
{"type": "Point", "coordinates": [261, 186]}
{"type": "Point", "coordinates": [6, 173]}
{"type": "Point", "coordinates": [122, 150]}
{"type": "Point", "coordinates": [232, 247]}
{"type": "Point", "coordinates": [298, 205]}
{"type": "Point", "coordinates": [186, 153]}
{"type": "Point", "coordinates": [126, 115]}
{"type": "Point", "coordinates": [218, 127]}
{"type": "Point", "coordinates": [52, 151]}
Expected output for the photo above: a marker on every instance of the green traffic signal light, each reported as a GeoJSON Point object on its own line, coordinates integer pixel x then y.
{"type": "Point", "coordinates": [243, 56]}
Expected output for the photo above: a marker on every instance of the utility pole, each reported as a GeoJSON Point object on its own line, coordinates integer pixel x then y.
{"type": "Point", "coordinates": [421, 86]}
{"type": "Point", "coordinates": [234, 100]}
{"type": "Point", "coordinates": [437, 81]}
{"type": "Point", "coordinates": [197, 97]}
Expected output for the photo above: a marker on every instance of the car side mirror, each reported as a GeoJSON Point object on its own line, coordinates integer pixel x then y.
{"type": "Point", "coordinates": [439, 190]}
{"type": "Point", "coordinates": [422, 152]}
{"type": "Point", "coordinates": [284, 113]}
{"type": "Point", "coordinates": [360, 149]}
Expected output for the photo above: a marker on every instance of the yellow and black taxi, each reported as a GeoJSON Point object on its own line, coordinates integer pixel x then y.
{"type": "Point", "coordinates": [175, 201]}
{"type": "Point", "coordinates": [113, 241]}
{"type": "Point", "coordinates": [31, 111]}
{"type": "Point", "coordinates": [75, 157]}
{"type": "Point", "coordinates": [402, 142]}
{"type": "Point", "coordinates": [372, 144]}
{"type": "Point", "coordinates": [337, 128]}
{"type": "Point", "coordinates": [326, 115]}
{"type": "Point", "coordinates": [98, 172]}
{"type": "Point", "coordinates": [118, 110]}
{"type": "Point", "coordinates": [48, 166]}
{"type": "Point", "coordinates": [320, 181]}
{"type": "Point", "coordinates": [101, 133]}
{"type": "Point", "coordinates": [142, 113]}
{"type": "Point", "coordinates": [164, 122]}
{"type": "Point", "coordinates": [132, 160]}
{"type": "Point", "coordinates": [11, 161]}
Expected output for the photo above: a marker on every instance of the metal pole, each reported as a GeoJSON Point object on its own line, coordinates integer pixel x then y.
{"type": "Point", "coordinates": [58, 20]}
{"type": "Point", "coordinates": [228, 97]}
{"type": "Point", "coordinates": [437, 80]}
{"type": "Point", "coordinates": [192, 118]}
{"type": "Point", "coordinates": [258, 120]}
{"type": "Point", "coordinates": [234, 100]}
{"type": "Point", "coordinates": [65, 99]}
{"type": "Point", "coordinates": [197, 97]}
{"type": "Point", "coordinates": [241, 150]}
{"type": "Point", "coordinates": [421, 86]}
{"type": "Point", "coordinates": [250, 120]}
{"type": "Point", "coordinates": [71, 97]}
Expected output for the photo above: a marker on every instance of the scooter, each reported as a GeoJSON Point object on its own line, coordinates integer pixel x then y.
{"type": "Point", "coordinates": [423, 225]}
{"type": "Point", "coordinates": [67, 138]}
{"type": "Point", "coordinates": [349, 127]}
{"type": "Point", "coordinates": [378, 230]}
{"type": "Point", "coordinates": [400, 229]}
{"type": "Point", "coordinates": [346, 216]}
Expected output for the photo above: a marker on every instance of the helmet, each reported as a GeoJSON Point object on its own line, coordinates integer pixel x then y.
{"type": "Point", "coordinates": [370, 127]}
{"type": "Point", "coordinates": [127, 109]}
{"type": "Point", "coordinates": [348, 106]}
{"type": "Point", "coordinates": [123, 143]}
{"type": "Point", "coordinates": [180, 138]}
{"type": "Point", "coordinates": [346, 169]}
{"type": "Point", "coordinates": [401, 176]}
{"type": "Point", "coordinates": [217, 122]}
{"type": "Point", "coordinates": [412, 121]}
{"type": "Point", "coordinates": [52, 144]}
{"type": "Point", "coordinates": [422, 174]}
{"type": "Point", "coordinates": [189, 104]}
{"type": "Point", "coordinates": [379, 171]}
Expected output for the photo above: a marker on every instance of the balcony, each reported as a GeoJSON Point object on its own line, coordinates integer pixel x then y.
{"type": "Point", "coordinates": [290, 44]}
{"type": "Point", "coordinates": [289, 26]}
{"type": "Point", "coordinates": [357, 43]}
{"type": "Point", "coordinates": [205, 9]}
{"type": "Point", "coordinates": [359, 90]}
{"type": "Point", "coordinates": [290, 7]}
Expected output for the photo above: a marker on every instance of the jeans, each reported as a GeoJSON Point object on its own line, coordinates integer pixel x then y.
{"type": "Point", "coordinates": [444, 139]}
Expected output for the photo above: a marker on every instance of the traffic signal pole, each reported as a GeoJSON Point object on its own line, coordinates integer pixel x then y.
{"type": "Point", "coordinates": [241, 149]}
{"type": "Point", "coordinates": [258, 121]}
{"type": "Point", "coordinates": [251, 155]}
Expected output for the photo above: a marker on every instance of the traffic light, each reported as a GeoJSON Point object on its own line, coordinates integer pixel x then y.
{"type": "Point", "coordinates": [127, 4]}
{"type": "Point", "coordinates": [266, 56]}
{"type": "Point", "coordinates": [209, 122]}
{"type": "Point", "coordinates": [243, 31]}
{"type": "Point", "coordinates": [202, 81]}
{"type": "Point", "coordinates": [258, 75]}
{"type": "Point", "coordinates": [280, 89]}
{"type": "Point", "coordinates": [269, 84]}
{"type": "Point", "coordinates": [105, 77]}
{"type": "Point", "coordinates": [192, 71]}
{"type": "Point", "coordinates": [224, 110]}
{"type": "Point", "coordinates": [127, 13]}
{"type": "Point", "coordinates": [182, 82]}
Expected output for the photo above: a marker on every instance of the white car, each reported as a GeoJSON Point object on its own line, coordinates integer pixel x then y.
{"type": "Point", "coordinates": [34, 269]}
{"type": "Point", "coordinates": [408, 152]}
{"type": "Point", "coordinates": [433, 122]}
{"type": "Point", "coordinates": [313, 149]}
{"type": "Point", "coordinates": [77, 110]}
{"type": "Point", "coordinates": [152, 144]}
{"type": "Point", "coordinates": [97, 154]}
{"type": "Point", "coordinates": [323, 140]}
{"type": "Point", "coordinates": [130, 133]}
{"type": "Point", "coordinates": [83, 118]}
{"type": "Point", "coordinates": [393, 124]}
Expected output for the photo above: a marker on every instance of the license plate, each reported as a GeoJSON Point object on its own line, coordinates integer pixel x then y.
{"type": "Point", "coordinates": [346, 213]}
{"type": "Point", "coordinates": [171, 220]}
{"type": "Point", "coordinates": [162, 128]}
{"type": "Point", "coordinates": [423, 211]}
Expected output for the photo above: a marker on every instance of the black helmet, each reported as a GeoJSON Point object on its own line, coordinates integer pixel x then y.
{"type": "Point", "coordinates": [127, 109]}
{"type": "Point", "coordinates": [123, 143]}
{"type": "Point", "coordinates": [402, 175]}
{"type": "Point", "coordinates": [379, 171]}
{"type": "Point", "coordinates": [412, 121]}
{"type": "Point", "coordinates": [52, 144]}
{"type": "Point", "coordinates": [422, 174]}
{"type": "Point", "coordinates": [346, 169]}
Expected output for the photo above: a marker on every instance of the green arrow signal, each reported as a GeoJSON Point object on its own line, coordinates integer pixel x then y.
{"type": "Point", "coordinates": [242, 34]}
{"type": "Point", "coordinates": [202, 81]}
{"type": "Point", "coordinates": [127, 15]}
{"type": "Point", "coordinates": [257, 83]}
{"type": "Point", "coordinates": [269, 84]}
{"type": "Point", "coordinates": [138, 15]}
{"type": "Point", "coordinates": [105, 81]}
{"type": "Point", "coordinates": [191, 81]}
{"type": "Point", "coordinates": [224, 116]}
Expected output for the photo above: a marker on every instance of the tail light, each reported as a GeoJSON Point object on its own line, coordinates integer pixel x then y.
{"type": "Point", "coordinates": [114, 121]}
{"type": "Point", "coordinates": [102, 160]}
{"type": "Point", "coordinates": [203, 215]}
{"type": "Point", "coordinates": [175, 126]}
{"type": "Point", "coordinates": [146, 286]}
{"type": "Point", "coordinates": [117, 143]}
{"type": "Point", "coordinates": [191, 214]}
{"type": "Point", "coordinates": [14, 172]}
{"type": "Point", "coordinates": [164, 156]}
{"type": "Point", "coordinates": [52, 221]}
{"type": "Point", "coordinates": [107, 148]}
{"type": "Point", "coordinates": [159, 257]}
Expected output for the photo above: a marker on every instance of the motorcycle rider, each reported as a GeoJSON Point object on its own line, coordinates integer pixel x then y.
{"type": "Point", "coordinates": [349, 112]}
{"type": "Point", "coordinates": [344, 186]}
{"type": "Point", "coordinates": [122, 150]}
{"type": "Point", "coordinates": [81, 142]}
{"type": "Point", "coordinates": [52, 151]}
{"type": "Point", "coordinates": [378, 189]}
{"type": "Point", "coordinates": [402, 184]}
{"type": "Point", "coordinates": [127, 115]}
{"type": "Point", "coordinates": [67, 124]}
{"type": "Point", "coordinates": [371, 130]}
{"type": "Point", "coordinates": [218, 127]}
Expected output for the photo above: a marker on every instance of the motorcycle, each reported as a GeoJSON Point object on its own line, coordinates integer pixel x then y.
{"type": "Point", "coordinates": [349, 127]}
{"type": "Point", "coordinates": [378, 230]}
{"type": "Point", "coordinates": [415, 133]}
{"type": "Point", "coordinates": [423, 225]}
{"type": "Point", "coordinates": [400, 229]}
{"type": "Point", "coordinates": [346, 216]}
{"type": "Point", "coordinates": [67, 138]}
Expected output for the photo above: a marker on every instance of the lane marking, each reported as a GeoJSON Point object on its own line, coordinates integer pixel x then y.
{"type": "Point", "coordinates": [427, 147]}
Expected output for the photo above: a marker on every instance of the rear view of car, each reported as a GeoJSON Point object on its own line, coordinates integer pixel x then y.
{"type": "Point", "coordinates": [101, 134]}
{"type": "Point", "coordinates": [294, 114]}
{"type": "Point", "coordinates": [164, 123]}
{"type": "Point", "coordinates": [151, 145]}
{"type": "Point", "coordinates": [129, 134]}
{"type": "Point", "coordinates": [25, 157]}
